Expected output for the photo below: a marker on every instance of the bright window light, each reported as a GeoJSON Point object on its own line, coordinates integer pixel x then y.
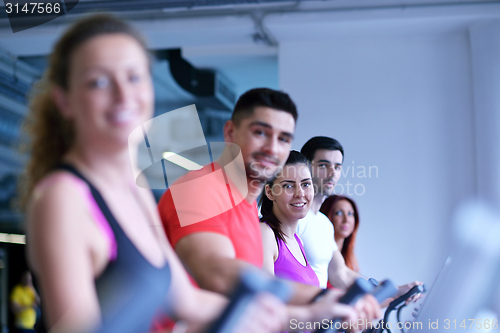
{"type": "Point", "coordinates": [181, 161]}
{"type": "Point", "coordinates": [12, 238]}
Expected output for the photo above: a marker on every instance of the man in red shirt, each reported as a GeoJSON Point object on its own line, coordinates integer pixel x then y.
{"type": "Point", "coordinates": [218, 237]}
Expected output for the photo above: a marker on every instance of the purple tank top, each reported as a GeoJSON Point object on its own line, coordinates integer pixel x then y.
{"type": "Point", "coordinates": [289, 268]}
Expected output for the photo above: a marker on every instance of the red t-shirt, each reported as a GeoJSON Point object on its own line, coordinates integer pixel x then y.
{"type": "Point", "coordinates": [206, 202]}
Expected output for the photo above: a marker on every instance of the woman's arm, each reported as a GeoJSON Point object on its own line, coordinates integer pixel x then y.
{"type": "Point", "coordinates": [270, 248]}
{"type": "Point", "coordinates": [59, 253]}
{"type": "Point", "coordinates": [192, 305]}
{"type": "Point", "coordinates": [198, 308]}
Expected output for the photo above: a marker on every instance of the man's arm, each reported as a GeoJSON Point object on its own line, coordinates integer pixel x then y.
{"type": "Point", "coordinates": [403, 290]}
{"type": "Point", "coordinates": [339, 275]}
{"type": "Point", "coordinates": [210, 259]}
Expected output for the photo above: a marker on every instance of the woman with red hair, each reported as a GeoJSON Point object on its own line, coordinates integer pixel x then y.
{"type": "Point", "coordinates": [343, 213]}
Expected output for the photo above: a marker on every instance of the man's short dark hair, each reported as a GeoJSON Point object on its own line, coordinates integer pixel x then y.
{"type": "Point", "coordinates": [264, 97]}
{"type": "Point", "coordinates": [320, 142]}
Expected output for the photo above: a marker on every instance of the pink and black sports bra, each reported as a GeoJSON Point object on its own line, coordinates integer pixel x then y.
{"type": "Point", "coordinates": [130, 290]}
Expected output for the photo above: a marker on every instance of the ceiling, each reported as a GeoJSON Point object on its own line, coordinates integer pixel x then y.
{"type": "Point", "coordinates": [259, 25]}
{"type": "Point", "coordinates": [241, 38]}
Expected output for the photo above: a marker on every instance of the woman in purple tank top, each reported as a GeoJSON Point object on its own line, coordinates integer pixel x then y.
{"type": "Point", "coordinates": [284, 201]}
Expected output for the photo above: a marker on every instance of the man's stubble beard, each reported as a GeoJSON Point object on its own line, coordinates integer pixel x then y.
{"type": "Point", "coordinates": [319, 190]}
{"type": "Point", "coordinates": [329, 192]}
{"type": "Point", "coordinates": [259, 175]}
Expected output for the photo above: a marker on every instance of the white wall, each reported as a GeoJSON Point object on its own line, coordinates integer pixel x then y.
{"type": "Point", "coordinates": [403, 105]}
{"type": "Point", "coordinates": [485, 40]}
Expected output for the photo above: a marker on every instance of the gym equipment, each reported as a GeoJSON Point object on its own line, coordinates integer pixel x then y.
{"type": "Point", "coordinates": [397, 303]}
{"type": "Point", "coordinates": [356, 291]}
{"type": "Point", "coordinates": [252, 282]}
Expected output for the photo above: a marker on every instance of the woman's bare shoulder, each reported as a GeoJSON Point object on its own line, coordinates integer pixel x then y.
{"type": "Point", "coordinates": [55, 203]}
{"type": "Point", "coordinates": [268, 237]}
{"type": "Point", "coordinates": [59, 184]}
{"type": "Point", "coordinates": [266, 229]}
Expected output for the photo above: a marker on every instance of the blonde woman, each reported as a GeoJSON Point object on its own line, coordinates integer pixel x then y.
{"type": "Point", "coordinates": [94, 238]}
